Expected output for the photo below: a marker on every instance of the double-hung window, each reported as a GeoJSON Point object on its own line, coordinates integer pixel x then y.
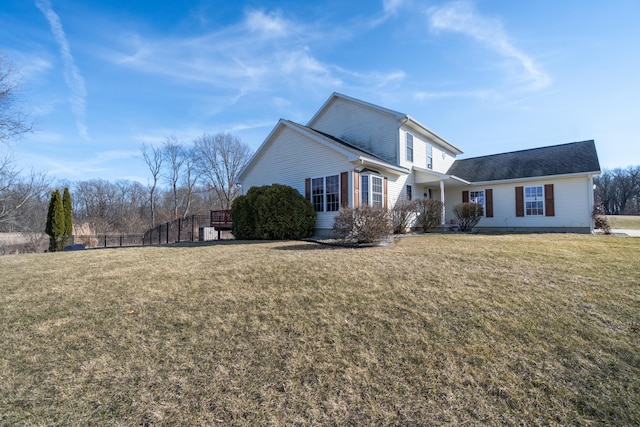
{"type": "Point", "coordinates": [371, 190]}
{"type": "Point", "coordinates": [534, 200]}
{"type": "Point", "coordinates": [409, 147]}
{"type": "Point", "coordinates": [429, 156]}
{"type": "Point", "coordinates": [325, 193]}
{"type": "Point", "coordinates": [332, 184]}
{"type": "Point", "coordinates": [477, 197]}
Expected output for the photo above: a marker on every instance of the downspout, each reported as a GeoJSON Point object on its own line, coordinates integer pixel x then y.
{"type": "Point", "coordinates": [591, 202]}
{"type": "Point", "coordinates": [442, 220]}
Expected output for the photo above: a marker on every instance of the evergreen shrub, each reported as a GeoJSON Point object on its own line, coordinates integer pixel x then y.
{"type": "Point", "coordinates": [272, 212]}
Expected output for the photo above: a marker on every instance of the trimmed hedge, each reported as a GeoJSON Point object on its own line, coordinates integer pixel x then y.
{"type": "Point", "coordinates": [272, 212]}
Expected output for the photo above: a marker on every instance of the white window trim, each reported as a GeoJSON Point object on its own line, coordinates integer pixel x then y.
{"type": "Point", "coordinates": [544, 208]}
{"type": "Point", "coordinates": [324, 193]}
{"type": "Point", "coordinates": [484, 200]}
{"type": "Point", "coordinates": [409, 150]}
{"type": "Point", "coordinates": [370, 192]}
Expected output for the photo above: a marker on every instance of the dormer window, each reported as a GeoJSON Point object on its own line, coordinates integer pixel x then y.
{"type": "Point", "coordinates": [409, 147]}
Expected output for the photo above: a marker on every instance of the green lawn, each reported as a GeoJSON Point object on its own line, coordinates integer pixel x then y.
{"type": "Point", "coordinates": [435, 329]}
{"type": "Point", "coordinates": [626, 222]}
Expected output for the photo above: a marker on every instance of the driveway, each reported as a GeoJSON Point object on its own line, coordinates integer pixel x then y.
{"type": "Point", "coordinates": [631, 233]}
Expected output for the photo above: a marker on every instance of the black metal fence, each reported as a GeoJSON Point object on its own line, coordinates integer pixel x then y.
{"type": "Point", "coordinates": [190, 229]}
{"type": "Point", "coordinates": [108, 240]}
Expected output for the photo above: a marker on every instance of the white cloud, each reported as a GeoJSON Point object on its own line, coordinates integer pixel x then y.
{"type": "Point", "coordinates": [261, 52]}
{"type": "Point", "coordinates": [480, 94]}
{"type": "Point", "coordinates": [72, 75]}
{"type": "Point", "coordinates": [462, 17]}
{"type": "Point", "coordinates": [30, 66]}
{"type": "Point", "coordinates": [391, 6]}
{"type": "Point", "coordinates": [270, 25]}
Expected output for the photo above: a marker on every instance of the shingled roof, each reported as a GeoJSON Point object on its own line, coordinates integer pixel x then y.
{"type": "Point", "coordinates": [565, 159]}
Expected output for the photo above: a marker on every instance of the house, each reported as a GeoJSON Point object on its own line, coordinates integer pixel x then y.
{"type": "Point", "coordinates": [353, 153]}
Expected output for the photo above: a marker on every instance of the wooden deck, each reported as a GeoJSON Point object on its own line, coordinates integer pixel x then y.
{"type": "Point", "coordinates": [221, 220]}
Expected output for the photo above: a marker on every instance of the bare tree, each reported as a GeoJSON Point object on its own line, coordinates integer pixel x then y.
{"type": "Point", "coordinates": [618, 190]}
{"type": "Point", "coordinates": [175, 157]}
{"type": "Point", "coordinates": [152, 156]}
{"type": "Point", "coordinates": [220, 159]}
{"type": "Point", "coordinates": [190, 179]}
{"type": "Point", "coordinates": [17, 192]}
{"type": "Point", "coordinates": [13, 122]}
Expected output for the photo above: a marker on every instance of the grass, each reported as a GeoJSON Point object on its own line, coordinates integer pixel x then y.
{"type": "Point", "coordinates": [625, 222]}
{"type": "Point", "coordinates": [435, 329]}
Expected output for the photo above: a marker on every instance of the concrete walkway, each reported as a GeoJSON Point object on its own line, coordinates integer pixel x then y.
{"type": "Point", "coordinates": [631, 233]}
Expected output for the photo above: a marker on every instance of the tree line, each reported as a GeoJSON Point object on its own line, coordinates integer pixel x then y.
{"type": "Point", "coordinates": [184, 179]}
{"type": "Point", "coordinates": [618, 190]}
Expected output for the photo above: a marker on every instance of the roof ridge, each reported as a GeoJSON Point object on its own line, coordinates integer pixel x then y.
{"type": "Point", "coordinates": [528, 149]}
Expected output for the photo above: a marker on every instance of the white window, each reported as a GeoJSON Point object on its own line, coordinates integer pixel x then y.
{"type": "Point", "coordinates": [317, 194]}
{"type": "Point", "coordinates": [376, 191]}
{"type": "Point", "coordinates": [477, 197]}
{"type": "Point", "coordinates": [429, 156]}
{"type": "Point", "coordinates": [409, 147]}
{"type": "Point", "coordinates": [371, 190]}
{"type": "Point", "coordinates": [534, 200]}
{"type": "Point", "coordinates": [325, 193]}
{"type": "Point", "coordinates": [333, 193]}
{"type": "Point", "coordinates": [364, 189]}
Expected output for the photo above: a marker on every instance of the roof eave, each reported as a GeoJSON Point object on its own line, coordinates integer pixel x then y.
{"type": "Point", "coordinates": [534, 178]}
{"type": "Point", "coordinates": [411, 122]}
{"type": "Point", "coordinates": [387, 167]}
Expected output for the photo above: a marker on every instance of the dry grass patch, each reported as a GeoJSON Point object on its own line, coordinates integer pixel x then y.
{"type": "Point", "coordinates": [436, 329]}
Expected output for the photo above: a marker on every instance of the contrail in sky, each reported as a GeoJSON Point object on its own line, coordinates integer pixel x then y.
{"type": "Point", "coordinates": [72, 76]}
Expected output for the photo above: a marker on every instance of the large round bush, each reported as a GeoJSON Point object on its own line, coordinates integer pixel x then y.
{"type": "Point", "coordinates": [272, 212]}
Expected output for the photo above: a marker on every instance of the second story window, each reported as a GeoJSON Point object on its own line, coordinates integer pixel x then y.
{"type": "Point", "coordinates": [429, 156]}
{"type": "Point", "coordinates": [409, 147]}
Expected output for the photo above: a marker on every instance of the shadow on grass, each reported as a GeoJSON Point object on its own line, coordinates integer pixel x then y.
{"type": "Point", "coordinates": [307, 246]}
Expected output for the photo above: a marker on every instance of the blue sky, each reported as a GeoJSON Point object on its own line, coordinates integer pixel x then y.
{"type": "Point", "coordinates": [102, 78]}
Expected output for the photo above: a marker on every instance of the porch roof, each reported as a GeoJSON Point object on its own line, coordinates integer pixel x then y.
{"type": "Point", "coordinates": [428, 176]}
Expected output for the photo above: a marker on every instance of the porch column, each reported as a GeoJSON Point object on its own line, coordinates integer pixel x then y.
{"type": "Point", "coordinates": [442, 221]}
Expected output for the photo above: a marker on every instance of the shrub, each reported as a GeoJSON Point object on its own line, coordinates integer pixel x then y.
{"type": "Point", "coordinates": [283, 213]}
{"type": "Point", "coordinates": [468, 215]}
{"type": "Point", "coordinates": [55, 226]}
{"type": "Point", "coordinates": [68, 216]}
{"type": "Point", "coordinates": [402, 214]}
{"type": "Point", "coordinates": [600, 219]}
{"type": "Point", "coordinates": [243, 212]}
{"type": "Point", "coordinates": [430, 213]}
{"type": "Point", "coordinates": [272, 212]}
{"type": "Point", "coordinates": [364, 224]}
